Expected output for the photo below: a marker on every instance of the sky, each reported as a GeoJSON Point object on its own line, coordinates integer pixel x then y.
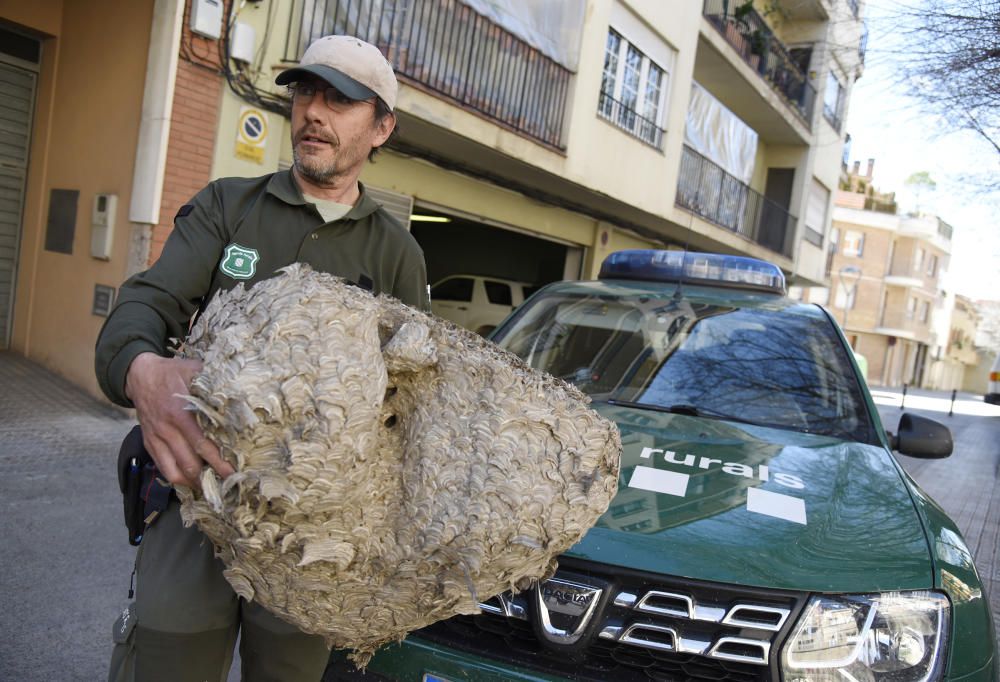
{"type": "Point", "coordinates": [886, 125]}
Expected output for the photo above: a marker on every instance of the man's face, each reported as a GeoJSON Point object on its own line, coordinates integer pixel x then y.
{"type": "Point", "coordinates": [332, 136]}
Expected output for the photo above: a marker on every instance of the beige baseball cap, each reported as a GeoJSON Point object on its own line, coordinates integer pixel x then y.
{"type": "Point", "coordinates": [351, 65]}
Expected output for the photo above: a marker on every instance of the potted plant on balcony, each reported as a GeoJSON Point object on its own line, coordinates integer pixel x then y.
{"type": "Point", "coordinates": [760, 42]}
{"type": "Point", "coordinates": [741, 28]}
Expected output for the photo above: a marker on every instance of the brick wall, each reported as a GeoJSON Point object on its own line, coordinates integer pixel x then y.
{"type": "Point", "coordinates": [873, 347]}
{"type": "Point", "coordinates": [193, 125]}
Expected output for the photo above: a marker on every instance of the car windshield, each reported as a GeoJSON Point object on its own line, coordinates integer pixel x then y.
{"type": "Point", "coordinates": [764, 366]}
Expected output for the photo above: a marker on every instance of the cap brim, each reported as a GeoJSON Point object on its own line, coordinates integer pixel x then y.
{"type": "Point", "coordinates": [337, 79]}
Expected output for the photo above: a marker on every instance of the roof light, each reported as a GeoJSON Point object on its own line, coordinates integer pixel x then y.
{"type": "Point", "coordinates": [701, 268]}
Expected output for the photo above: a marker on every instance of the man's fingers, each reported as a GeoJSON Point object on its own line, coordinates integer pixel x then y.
{"type": "Point", "coordinates": [207, 451]}
{"type": "Point", "coordinates": [202, 446]}
{"type": "Point", "coordinates": [164, 459]}
{"type": "Point", "coordinates": [189, 463]}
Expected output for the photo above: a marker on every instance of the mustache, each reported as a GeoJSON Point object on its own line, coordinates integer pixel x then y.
{"type": "Point", "coordinates": [311, 131]}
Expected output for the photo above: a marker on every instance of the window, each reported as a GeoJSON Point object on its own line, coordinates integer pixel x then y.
{"type": "Point", "coordinates": [918, 260]}
{"type": "Point", "coordinates": [854, 243]}
{"type": "Point", "coordinates": [932, 266]}
{"type": "Point", "coordinates": [770, 367]}
{"type": "Point", "coordinates": [925, 309]}
{"type": "Point", "coordinates": [833, 100]}
{"type": "Point", "coordinates": [632, 88]}
{"type": "Point", "coordinates": [498, 293]}
{"type": "Point", "coordinates": [819, 198]}
{"type": "Point", "coordinates": [911, 307]}
{"type": "Point", "coordinates": [454, 289]}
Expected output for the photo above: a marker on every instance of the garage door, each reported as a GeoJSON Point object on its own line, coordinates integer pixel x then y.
{"type": "Point", "coordinates": [458, 243]}
{"type": "Point", "coordinates": [17, 96]}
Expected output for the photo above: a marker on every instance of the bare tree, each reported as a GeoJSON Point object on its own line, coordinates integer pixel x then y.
{"type": "Point", "coordinates": [949, 57]}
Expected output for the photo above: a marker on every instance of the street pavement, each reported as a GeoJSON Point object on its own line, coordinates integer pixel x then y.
{"type": "Point", "coordinates": [66, 561]}
{"type": "Point", "coordinates": [967, 484]}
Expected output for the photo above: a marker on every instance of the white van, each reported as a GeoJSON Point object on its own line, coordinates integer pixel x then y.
{"type": "Point", "coordinates": [993, 390]}
{"type": "Point", "coordinates": [477, 303]}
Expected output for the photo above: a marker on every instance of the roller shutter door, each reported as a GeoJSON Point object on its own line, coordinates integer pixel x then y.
{"type": "Point", "coordinates": [17, 96]}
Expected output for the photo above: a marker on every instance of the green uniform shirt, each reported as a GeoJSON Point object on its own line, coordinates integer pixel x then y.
{"type": "Point", "coordinates": [244, 230]}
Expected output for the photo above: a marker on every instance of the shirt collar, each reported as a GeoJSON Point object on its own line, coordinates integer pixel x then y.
{"type": "Point", "coordinates": [283, 186]}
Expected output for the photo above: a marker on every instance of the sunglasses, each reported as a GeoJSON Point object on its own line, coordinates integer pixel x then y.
{"type": "Point", "coordinates": [303, 93]}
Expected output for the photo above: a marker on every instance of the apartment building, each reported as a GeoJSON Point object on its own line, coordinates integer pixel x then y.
{"type": "Point", "coordinates": [886, 272]}
{"type": "Point", "coordinates": [536, 138]}
{"type": "Point", "coordinates": [954, 352]}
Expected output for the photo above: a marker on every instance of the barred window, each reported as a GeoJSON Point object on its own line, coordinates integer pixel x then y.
{"type": "Point", "coordinates": [632, 89]}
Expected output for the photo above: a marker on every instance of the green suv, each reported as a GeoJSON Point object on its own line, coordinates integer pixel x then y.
{"type": "Point", "coordinates": [762, 529]}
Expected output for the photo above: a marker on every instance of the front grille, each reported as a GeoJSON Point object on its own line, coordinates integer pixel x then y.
{"type": "Point", "coordinates": [646, 627]}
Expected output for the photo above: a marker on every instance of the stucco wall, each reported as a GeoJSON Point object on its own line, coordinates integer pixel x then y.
{"type": "Point", "coordinates": [86, 123]}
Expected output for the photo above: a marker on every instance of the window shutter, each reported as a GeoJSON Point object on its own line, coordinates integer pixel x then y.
{"type": "Point", "coordinates": [399, 206]}
{"type": "Point", "coordinates": [819, 197]}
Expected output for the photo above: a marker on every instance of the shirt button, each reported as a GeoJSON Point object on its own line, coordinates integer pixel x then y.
{"type": "Point", "coordinates": [315, 236]}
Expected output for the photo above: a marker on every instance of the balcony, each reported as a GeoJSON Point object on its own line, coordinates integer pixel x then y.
{"type": "Point", "coordinates": [903, 277]}
{"type": "Point", "coordinates": [902, 323]}
{"type": "Point", "coordinates": [630, 121]}
{"type": "Point", "coordinates": [444, 47]}
{"type": "Point", "coordinates": [747, 32]}
{"type": "Point", "coordinates": [706, 189]}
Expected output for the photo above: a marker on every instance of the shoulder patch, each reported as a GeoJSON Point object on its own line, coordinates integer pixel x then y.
{"type": "Point", "coordinates": [184, 210]}
{"type": "Point", "coordinates": [239, 262]}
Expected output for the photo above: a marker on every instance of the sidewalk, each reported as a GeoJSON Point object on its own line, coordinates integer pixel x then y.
{"type": "Point", "coordinates": [66, 559]}
{"type": "Point", "coordinates": [967, 484]}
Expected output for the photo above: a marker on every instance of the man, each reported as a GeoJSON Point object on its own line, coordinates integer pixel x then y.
{"type": "Point", "coordinates": [185, 619]}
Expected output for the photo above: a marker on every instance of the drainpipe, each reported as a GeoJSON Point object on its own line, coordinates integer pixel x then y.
{"type": "Point", "coordinates": [154, 129]}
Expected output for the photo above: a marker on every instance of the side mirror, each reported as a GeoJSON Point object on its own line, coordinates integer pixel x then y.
{"type": "Point", "coordinates": [922, 437]}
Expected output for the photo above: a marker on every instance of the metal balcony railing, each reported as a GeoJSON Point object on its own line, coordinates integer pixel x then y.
{"type": "Point", "coordinates": [445, 47]}
{"type": "Point", "coordinates": [629, 120]}
{"type": "Point", "coordinates": [706, 189]}
{"type": "Point", "coordinates": [756, 43]}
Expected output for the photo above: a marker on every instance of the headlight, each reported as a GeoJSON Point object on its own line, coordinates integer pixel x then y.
{"type": "Point", "coordinates": [889, 637]}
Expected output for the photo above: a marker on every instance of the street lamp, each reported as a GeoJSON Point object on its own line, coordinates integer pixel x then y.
{"type": "Point", "coordinates": [849, 277]}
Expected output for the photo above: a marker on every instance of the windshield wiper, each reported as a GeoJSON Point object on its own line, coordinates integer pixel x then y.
{"type": "Point", "coordinates": [683, 408]}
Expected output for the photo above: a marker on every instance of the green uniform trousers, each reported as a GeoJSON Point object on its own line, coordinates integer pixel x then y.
{"type": "Point", "coordinates": [183, 623]}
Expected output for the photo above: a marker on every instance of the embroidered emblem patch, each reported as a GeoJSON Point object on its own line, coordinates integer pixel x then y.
{"type": "Point", "coordinates": [239, 262]}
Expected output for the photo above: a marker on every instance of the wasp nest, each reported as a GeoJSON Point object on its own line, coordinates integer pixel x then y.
{"type": "Point", "coordinates": [392, 469]}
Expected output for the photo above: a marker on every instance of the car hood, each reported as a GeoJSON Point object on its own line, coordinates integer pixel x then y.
{"type": "Point", "coordinates": [750, 505]}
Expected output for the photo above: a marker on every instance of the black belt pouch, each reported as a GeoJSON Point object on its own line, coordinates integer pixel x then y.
{"type": "Point", "coordinates": [132, 461]}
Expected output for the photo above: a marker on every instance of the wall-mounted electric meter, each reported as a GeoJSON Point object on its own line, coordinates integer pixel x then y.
{"type": "Point", "coordinates": [102, 225]}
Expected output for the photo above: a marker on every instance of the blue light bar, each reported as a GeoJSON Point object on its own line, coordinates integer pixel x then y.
{"type": "Point", "coordinates": [698, 268]}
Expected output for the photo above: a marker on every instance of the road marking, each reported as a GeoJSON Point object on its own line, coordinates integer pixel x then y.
{"type": "Point", "coordinates": [659, 481]}
{"type": "Point", "coordinates": [777, 505]}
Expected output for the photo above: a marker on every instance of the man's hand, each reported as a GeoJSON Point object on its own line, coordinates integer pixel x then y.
{"type": "Point", "coordinates": [169, 431]}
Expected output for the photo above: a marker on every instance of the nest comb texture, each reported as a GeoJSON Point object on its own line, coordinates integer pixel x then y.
{"type": "Point", "coordinates": [392, 469]}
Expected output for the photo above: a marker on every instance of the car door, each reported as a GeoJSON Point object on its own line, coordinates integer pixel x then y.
{"type": "Point", "coordinates": [451, 298]}
{"type": "Point", "coordinates": [496, 304]}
